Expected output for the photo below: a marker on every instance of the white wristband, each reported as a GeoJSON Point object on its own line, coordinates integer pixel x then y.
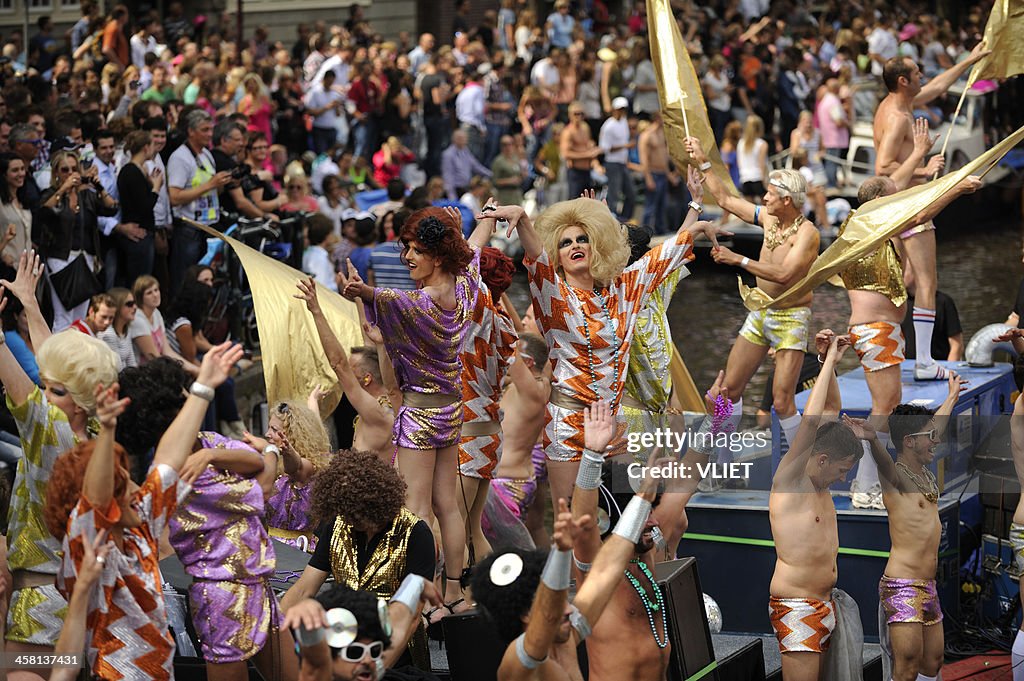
{"type": "Point", "coordinates": [744, 262]}
{"type": "Point", "coordinates": [272, 449]}
{"type": "Point", "coordinates": [203, 392]}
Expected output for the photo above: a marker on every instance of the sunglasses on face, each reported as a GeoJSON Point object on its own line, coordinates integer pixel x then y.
{"type": "Point", "coordinates": [68, 169]}
{"type": "Point", "coordinates": [129, 303]}
{"type": "Point", "coordinates": [354, 652]}
{"type": "Point", "coordinates": [932, 434]}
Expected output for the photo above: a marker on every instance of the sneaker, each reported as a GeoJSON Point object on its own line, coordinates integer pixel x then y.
{"type": "Point", "coordinates": [709, 485]}
{"type": "Point", "coordinates": [866, 498]}
{"type": "Point", "coordinates": [930, 372]}
{"type": "Point", "coordinates": [876, 500]}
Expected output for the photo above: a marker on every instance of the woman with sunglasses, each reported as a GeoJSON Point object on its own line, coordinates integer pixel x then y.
{"type": "Point", "coordinates": [576, 258]}
{"type": "Point", "coordinates": [423, 333]}
{"type": "Point", "coordinates": [297, 194]}
{"type": "Point", "coordinates": [258, 185]}
{"type": "Point", "coordinates": [68, 230]}
{"type": "Point", "coordinates": [116, 336]}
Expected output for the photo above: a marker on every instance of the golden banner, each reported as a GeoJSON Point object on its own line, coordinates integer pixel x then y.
{"type": "Point", "coordinates": [1003, 36]}
{"type": "Point", "coordinates": [874, 223]}
{"type": "Point", "coordinates": [680, 93]}
{"type": "Point", "coordinates": [293, 360]}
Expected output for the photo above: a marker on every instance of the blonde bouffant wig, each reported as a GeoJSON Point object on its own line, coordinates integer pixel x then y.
{"type": "Point", "coordinates": [609, 245]}
{"type": "Point", "coordinates": [305, 432]}
{"type": "Point", "coordinates": [79, 363]}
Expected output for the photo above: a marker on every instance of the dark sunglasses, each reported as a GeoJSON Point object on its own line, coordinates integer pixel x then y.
{"type": "Point", "coordinates": [68, 169]}
{"type": "Point", "coordinates": [129, 303]}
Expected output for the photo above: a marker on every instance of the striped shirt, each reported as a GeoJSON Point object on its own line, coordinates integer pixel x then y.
{"type": "Point", "coordinates": [388, 269]}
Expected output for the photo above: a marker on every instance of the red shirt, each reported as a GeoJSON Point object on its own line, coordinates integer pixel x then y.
{"type": "Point", "coordinates": [80, 325]}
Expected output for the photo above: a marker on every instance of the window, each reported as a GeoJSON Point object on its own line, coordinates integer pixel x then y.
{"type": "Point", "coordinates": [36, 5]}
{"type": "Point", "coordinates": [6, 6]}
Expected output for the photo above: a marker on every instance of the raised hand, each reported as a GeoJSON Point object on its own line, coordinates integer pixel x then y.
{"type": "Point", "coordinates": [957, 384]}
{"type": "Point", "coordinates": [307, 614]}
{"type": "Point", "coordinates": [923, 140]}
{"type": "Point", "coordinates": [511, 214]}
{"type": "Point", "coordinates": [1009, 335]}
{"type": "Point", "coordinates": [696, 150]}
{"type": "Point", "coordinates": [567, 530]}
{"type": "Point", "coordinates": [695, 183]}
{"type": "Point", "coordinates": [838, 346]}
{"type": "Point", "coordinates": [454, 213]}
{"type": "Point", "coordinates": [30, 269]}
{"type": "Point", "coordinates": [315, 397]}
{"type": "Point", "coordinates": [598, 426]}
{"type": "Point", "coordinates": [822, 341]}
{"type": "Point", "coordinates": [307, 293]}
{"type": "Point", "coordinates": [353, 284]}
{"type": "Point", "coordinates": [108, 407]}
{"type": "Point", "coordinates": [373, 332]}
{"type": "Point", "coordinates": [935, 164]}
{"type": "Point", "coordinates": [218, 364]}
{"type": "Point", "coordinates": [94, 556]}
{"type": "Point", "coordinates": [862, 428]}
{"type": "Point", "coordinates": [718, 388]}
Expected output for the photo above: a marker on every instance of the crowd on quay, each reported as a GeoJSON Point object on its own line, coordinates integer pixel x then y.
{"type": "Point", "coordinates": [423, 170]}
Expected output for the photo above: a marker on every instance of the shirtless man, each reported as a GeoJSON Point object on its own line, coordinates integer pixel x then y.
{"type": "Point", "coordinates": [654, 162]}
{"type": "Point", "coordinates": [524, 404]}
{"type": "Point", "coordinates": [894, 143]}
{"type": "Point", "coordinates": [790, 248]}
{"type": "Point", "coordinates": [578, 150]}
{"type": "Point", "coordinates": [878, 301]}
{"type": "Point", "coordinates": [536, 620]}
{"type": "Point", "coordinates": [360, 378]}
{"type": "Point", "coordinates": [804, 526]}
{"type": "Point", "coordinates": [911, 494]}
{"type": "Point", "coordinates": [635, 618]}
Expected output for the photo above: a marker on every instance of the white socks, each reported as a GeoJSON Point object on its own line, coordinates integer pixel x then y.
{"type": "Point", "coordinates": [867, 469]}
{"type": "Point", "coordinates": [922, 677]}
{"type": "Point", "coordinates": [789, 426]}
{"type": "Point", "coordinates": [1017, 657]}
{"type": "Point", "coordinates": [924, 324]}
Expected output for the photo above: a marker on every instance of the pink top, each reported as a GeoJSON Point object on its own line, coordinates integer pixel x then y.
{"type": "Point", "coordinates": [259, 116]}
{"type": "Point", "coordinates": [832, 135]}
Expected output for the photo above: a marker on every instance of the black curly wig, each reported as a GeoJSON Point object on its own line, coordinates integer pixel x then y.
{"type": "Point", "coordinates": [362, 604]}
{"type": "Point", "coordinates": [507, 605]}
{"type": "Point", "coordinates": [639, 241]}
{"type": "Point", "coordinates": [158, 392]}
{"type": "Point", "coordinates": [359, 488]}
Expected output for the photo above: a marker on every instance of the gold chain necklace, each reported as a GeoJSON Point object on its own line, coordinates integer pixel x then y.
{"type": "Point", "coordinates": [774, 238]}
{"type": "Point", "coordinates": [928, 487]}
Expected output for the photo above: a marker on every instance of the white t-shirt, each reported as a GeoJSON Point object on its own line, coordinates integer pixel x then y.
{"type": "Point", "coordinates": [185, 171]}
{"type": "Point", "coordinates": [614, 133]}
{"type": "Point", "coordinates": [883, 43]}
{"type": "Point", "coordinates": [141, 326]}
{"type": "Point", "coordinates": [317, 263]}
{"type": "Point", "coordinates": [719, 84]}
{"type": "Point", "coordinates": [749, 163]}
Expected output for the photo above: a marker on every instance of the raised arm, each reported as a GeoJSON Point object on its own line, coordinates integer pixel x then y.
{"type": "Point", "coordinates": [802, 448]}
{"type": "Point", "coordinates": [413, 594]}
{"type": "Point", "coordinates": [888, 476]}
{"type": "Point", "coordinates": [938, 85]}
{"type": "Point", "coordinates": [98, 482]}
{"type": "Point", "coordinates": [176, 444]}
{"type": "Point", "coordinates": [519, 221]}
{"type": "Point", "coordinates": [481, 235]}
{"type": "Point", "coordinates": [968, 185]}
{"type": "Point", "coordinates": [74, 632]}
{"type": "Point", "coordinates": [923, 142]}
{"type": "Point", "coordinates": [30, 269]}
{"type": "Point", "coordinates": [743, 209]}
{"type": "Point", "coordinates": [16, 382]}
{"type": "Point", "coordinates": [598, 429]}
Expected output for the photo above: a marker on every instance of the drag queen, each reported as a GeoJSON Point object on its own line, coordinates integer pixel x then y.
{"type": "Point", "coordinates": [423, 332]}
{"type": "Point", "coordinates": [586, 302]}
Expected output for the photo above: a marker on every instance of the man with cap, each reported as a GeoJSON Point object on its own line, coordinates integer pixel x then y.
{"type": "Point", "coordinates": [348, 635]}
{"type": "Point", "coordinates": [616, 142]}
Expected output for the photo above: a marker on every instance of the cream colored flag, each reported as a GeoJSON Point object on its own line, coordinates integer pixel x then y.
{"type": "Point", "coordinates": [293, 360]}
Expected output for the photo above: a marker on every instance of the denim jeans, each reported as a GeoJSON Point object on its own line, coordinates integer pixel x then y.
{"type": "Point", "coordinates": [654, 205]}
{"type": "Point", "coordinates": [620, 186]}
{"type": "Point", "coordinates": [578, 180]}
{"type": "Point", "coordinates": [832, 167]}
{"type": "Point", "coordinates": [323, 139]}
{"type": "Point", "coordinates": [135, 258]}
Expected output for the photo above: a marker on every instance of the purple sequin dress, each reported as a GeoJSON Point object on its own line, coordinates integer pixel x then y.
{"type": "Point", "coordinates": [424, 343]}
{"type": "Point", "coordinates": [289, 514]}
{"type": "Point", "coordinates": [219, 536]}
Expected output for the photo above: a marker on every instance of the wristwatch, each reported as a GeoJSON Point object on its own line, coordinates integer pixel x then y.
{"type": "Point", "coordinates": [696, 206]}
{"type": "Point", "coordinates": [705, 166]}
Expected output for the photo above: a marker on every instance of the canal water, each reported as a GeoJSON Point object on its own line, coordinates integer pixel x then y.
{"type": "Point", "coordinates": [979, 266]}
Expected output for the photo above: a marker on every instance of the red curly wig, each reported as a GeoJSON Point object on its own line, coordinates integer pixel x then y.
{"type": "Point", "coordinates": [497, 270]}
{"type": "Point", "coordinates": [439, 235]}
{"type": "Point", "coordinates": [65, 485]}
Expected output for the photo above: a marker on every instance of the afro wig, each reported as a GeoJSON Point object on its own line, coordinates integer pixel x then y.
{"type": "Point", "coordinates": [507, 605]}
{"type": "Point", "coordinates": [609, 247]}
{"type": "Point", "coordinates": [359, 488]}
{"type": "Point", "coordinates": [158, 390]}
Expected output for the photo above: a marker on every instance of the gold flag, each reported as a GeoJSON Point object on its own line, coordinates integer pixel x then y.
{"type": "Point", "coordinates": [689, 397]}
{"type": "Point", "coordinates": [679, 87]}
{"type": "Point", "coordinates": [293, 360]}
{"type": "Point", "coordinates": [874, 223]}
{"type": "Point", "coordinates": [1003, 36]}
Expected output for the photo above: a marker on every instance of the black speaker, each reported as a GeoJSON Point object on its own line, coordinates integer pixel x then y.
{"type": "Point", "coordinates": [473, 647]}
{"type": "Point", "coordinates": [746, 664]}
{"type": "Point", "coordinates": [692, 651]}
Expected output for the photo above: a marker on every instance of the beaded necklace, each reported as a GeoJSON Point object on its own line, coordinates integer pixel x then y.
{"type": "Point", "coordinates": [590, 349]}
{"type": "Point", "coordinates": [652, 606]}
{"type": "Point", "coordinates": [776, 237]}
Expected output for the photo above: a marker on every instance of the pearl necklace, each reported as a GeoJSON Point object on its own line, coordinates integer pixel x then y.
{"type": "Point", "coordinates": [590, 349]}
{"type": "Point", "coordinates": [651, 606]}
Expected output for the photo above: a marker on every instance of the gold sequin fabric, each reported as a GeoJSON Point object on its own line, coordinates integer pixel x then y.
{"type": "Point", "coordinates": [880, 272]}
